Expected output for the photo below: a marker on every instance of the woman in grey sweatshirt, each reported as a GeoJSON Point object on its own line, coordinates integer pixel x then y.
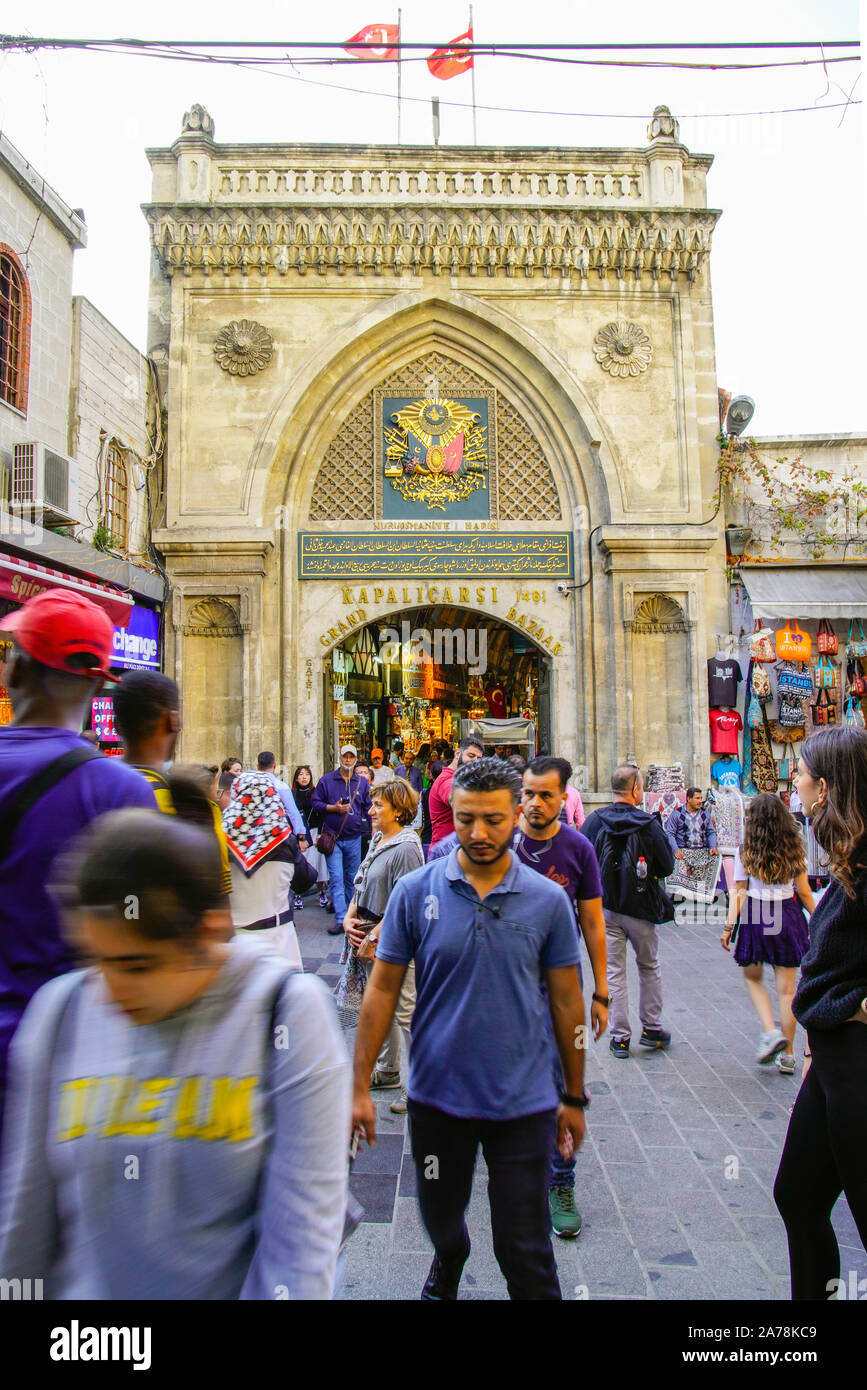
{"type": "Point", "coordinates": [395, 850]}
{"type": "Point", "coordinates": [179, 1112]}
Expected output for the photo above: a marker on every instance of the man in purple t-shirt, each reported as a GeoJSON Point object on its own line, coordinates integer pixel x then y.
{"type": "Point", "coordinates": [63, 645]}
{"type": "Point", "coordinates": [566, 857]}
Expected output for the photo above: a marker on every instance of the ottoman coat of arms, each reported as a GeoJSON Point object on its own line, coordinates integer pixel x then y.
{"type": "Point", "coordinates": [436, 451]}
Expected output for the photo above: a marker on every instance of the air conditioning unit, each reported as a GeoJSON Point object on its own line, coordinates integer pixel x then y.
{"type": "Point", "coordinates": [45, 482]}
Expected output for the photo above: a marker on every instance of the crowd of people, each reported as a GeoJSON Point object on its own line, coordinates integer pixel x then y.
{"type": "Point", "coordinates": [179, 1097]}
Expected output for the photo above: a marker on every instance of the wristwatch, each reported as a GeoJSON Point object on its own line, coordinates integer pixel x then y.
{"type": "Point", "coordinates": [603, 999]}
{"type": "Point", "coordinates": [579, 1102]}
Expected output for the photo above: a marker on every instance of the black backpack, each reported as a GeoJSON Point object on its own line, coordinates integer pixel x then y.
{"type": "Point", "coordinates": [622, 889]}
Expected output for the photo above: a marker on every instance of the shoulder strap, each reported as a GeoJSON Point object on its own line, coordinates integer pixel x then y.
{"type": "Point", "coordinates": [36, 787]}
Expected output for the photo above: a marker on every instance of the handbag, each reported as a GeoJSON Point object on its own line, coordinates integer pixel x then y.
{"type": "Point", "coordinates": [760, 683]}
{"type": "Point", "coordinates": [826, 639]}
{"type": "Point", "coordinates": [754, 713]}
{"type": "Point", "coordinates": [825, 673]}
{"type": "Point", "coordinates": [349, 990]}
{"type": "Point", "coordinates": [328, 838]}
{"type": "Point", "coordinates": [854, 714]}
{"type": "Point", "coordinates": [792, 712]}
{"type": "Point", "coordinates": [762, 644]}
{"type": "Point", "coordinates": [793, 644]}
{"type": "Point", "coordinates": [855, 677]}
{"type": "Point", "coordinates": [792, 681]}
{"type": "Point", "coordinates": [856, 642]}
{"type": "Point", "coordinates": [825, 708]}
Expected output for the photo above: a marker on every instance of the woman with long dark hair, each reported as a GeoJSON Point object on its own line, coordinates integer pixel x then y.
{"type": "Point", "coordinates": [771, 884]}
{"type": "Point", "coordinates": [825, 1147]}
{"type": "Point", "coordinates": [303, 783]}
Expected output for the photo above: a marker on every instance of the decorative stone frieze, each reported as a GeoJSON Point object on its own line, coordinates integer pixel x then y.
{"type": "Point", "coordinates": [274, 241]}
{"type": "Point", "coordinates": [213, 617]}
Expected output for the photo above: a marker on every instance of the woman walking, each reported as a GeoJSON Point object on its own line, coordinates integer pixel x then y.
{"type": "Point", "coordinates": [303, 783]}
{"type": "Point", "coordinates": [268, 868]}
{"type": "Point", "coordinates": [395, 850]}
{"type": "Point", "coordinates": [770, 886]}
{"type": "Point", "coordinates": [161, 1143]}
{"type": "Point", "coordinates": [825, 1147]}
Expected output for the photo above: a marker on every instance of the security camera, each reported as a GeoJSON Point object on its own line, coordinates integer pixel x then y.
{"type": "Point", "coordinates": [562, 588]}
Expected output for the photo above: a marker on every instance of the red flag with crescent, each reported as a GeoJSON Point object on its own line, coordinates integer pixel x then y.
{"type": "Point", "coordinates": [453, 454]}
{"type": "Point", "coordinates": [379, 43]}
{"type": "Point", "coordinates": [450, 61]}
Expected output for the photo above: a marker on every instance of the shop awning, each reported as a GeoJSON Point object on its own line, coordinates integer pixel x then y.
{"type": "Point", "coordinates": [21, 579]}
{"type": "Point", "coordinates": [806, 591]}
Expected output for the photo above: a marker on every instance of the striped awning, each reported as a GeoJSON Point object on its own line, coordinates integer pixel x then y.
{"type": "Point", "coordinates": [21, 579]}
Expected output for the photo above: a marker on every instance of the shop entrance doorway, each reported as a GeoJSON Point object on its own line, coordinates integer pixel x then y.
{"type": "Point", "coordinates": [413, 676]}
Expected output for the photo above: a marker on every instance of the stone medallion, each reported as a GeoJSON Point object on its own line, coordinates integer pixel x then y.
{"type": "Point", "coordinates": [623, 349]}
{"type": "Point", "coordinates": [243, 347]}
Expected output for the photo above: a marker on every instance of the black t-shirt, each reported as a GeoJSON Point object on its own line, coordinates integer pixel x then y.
{"type": "Point", "coordinates": [723, 679]}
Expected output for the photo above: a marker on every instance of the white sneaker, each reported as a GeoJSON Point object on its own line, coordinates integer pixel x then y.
{"type": "Point", "coordinates": [769, 1045]}
{"type": "Point", "coordinates": [785, 1063]}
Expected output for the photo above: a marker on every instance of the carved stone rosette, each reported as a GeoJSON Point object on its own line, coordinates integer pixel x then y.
{"type": "Point", "coordinates": [243, 347]}
{"type": "Point", "coordinates": [623, 349]}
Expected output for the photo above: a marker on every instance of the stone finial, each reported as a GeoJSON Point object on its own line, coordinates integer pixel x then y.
{"type": "Point", "coordinates": [663, 125]}
{"type": "Point", "coordinates": [197, 121]}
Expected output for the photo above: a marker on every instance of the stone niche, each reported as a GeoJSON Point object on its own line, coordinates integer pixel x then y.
{"type": "Point", "coordinates": [662, 717]}
{"type": "Point", "coordinates": [214, 695]}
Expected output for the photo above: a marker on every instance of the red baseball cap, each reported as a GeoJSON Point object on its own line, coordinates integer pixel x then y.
{"type": "Point", "coordinates": [56, 625]}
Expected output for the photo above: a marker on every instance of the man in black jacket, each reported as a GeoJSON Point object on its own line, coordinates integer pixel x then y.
{"type": "Point", "coordinates": [634, 853]}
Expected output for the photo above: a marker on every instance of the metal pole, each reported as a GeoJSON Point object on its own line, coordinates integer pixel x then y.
{"type": "Point", "coordinates": [398, 76]}
{"type": "Point", "coordinates": [473, 75]}
{"type": "Point", "coordinates": [435, 112]}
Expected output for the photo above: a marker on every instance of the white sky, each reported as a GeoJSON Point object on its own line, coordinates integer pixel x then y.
{"type": "Point", "coordinates": [788, 263]}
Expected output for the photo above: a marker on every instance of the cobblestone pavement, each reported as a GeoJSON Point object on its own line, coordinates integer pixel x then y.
{"type": "Point", "coordinates": [674, 1178]}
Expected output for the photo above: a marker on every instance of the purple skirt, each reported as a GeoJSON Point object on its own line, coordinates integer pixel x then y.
{"type": "Point", "coordinates": [771, 933]}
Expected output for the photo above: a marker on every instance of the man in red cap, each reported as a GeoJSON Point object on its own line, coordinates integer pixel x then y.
{"type": "Point", "coordinates": [52, 783]}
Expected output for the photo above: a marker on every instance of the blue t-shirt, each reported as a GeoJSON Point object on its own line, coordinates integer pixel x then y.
{"type": "Point", "coordinates": [726, 772]}
{"type": "Point", "coordinates": [480, 1040]}
{"type": "Point", "coordinates": [32, 948]}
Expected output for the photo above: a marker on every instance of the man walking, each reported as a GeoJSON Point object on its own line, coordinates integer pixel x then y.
{"type": "Point", "coordinates": [634, 854]}
{"type": "Point", "coordinates": [557, 852]}
{"type": "Point", "coordinates": [52, 784]}
{"type": "Point", "coordinates": [439, 808]}
{"type": "Point", "coordinates": [483, 930]}
{"type": "Point", "coordinates": [410, 772]}
{"type": "Point", "coordinates": [343, 798]}
{"type": "Point", "coordinates": [381, 773]}
{"type": "Point", "coordinates": [266, 762]}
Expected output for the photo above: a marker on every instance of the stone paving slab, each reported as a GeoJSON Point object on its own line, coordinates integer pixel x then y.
{"type": "Point", "coordinates": [675, 1178]}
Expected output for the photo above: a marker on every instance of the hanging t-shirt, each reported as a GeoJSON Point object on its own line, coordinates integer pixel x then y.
{"type": "Point", "coordinates": [727, 772]}
{"type": "Point", "coordinates": [723, 679]}
{"type": "Point", "coordinates": [724, 726]}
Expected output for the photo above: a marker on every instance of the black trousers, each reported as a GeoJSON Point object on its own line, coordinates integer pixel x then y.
{"type": "Point", "coordinates": [825, 1154]}
{"type": "Point", "coordinates": [518, 1155]}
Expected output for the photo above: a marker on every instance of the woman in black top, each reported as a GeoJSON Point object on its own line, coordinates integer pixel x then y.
{"type": "Point", "coordinates": [826, 1147]}
{"type": "Point", "coordinates": [303, 783]}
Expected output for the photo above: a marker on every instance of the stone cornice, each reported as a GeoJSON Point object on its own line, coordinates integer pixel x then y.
{"type": "Point", "coordinates": [502, 240]}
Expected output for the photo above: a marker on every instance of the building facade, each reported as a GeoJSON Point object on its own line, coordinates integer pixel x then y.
{"type": "Point", "coordinates": [469, 389]}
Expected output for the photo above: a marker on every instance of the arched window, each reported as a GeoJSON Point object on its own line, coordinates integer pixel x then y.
{"type": "Point", "coordinates": [14, 330]}
{"type": "Point", "coordinates": [116, 496]}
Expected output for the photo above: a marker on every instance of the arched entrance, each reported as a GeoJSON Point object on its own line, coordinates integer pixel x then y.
{"type": "Point", "coordinates": [416, 674]}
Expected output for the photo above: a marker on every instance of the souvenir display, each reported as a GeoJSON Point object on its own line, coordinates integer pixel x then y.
{"type": "Point", "coordinates": [760, 684]}
{"type": "Point", "coordinates": [724, 675]}
{"type": "Point", "coordinates": [695, 875]}
{"type": "Point", "coordinates": [664, 803]}
{"type": "Point", "coordinates": [727, 814]}
{"type": "Point", "coordinates": [825, 673]}
{"type": "Point", "coordinates": [826, 641]}
{"type": "Point", "coordinates": [726, 772]}
{"type": "Point", "coordinates": [724, 727]}
{"type": "Point", "coordinates": [794, 679]}
{"type": "Point", "coordinates": [854, 714]}
{"type": "Point", "coordinates": [825, 708]}
{"type": "Point", "coordinates": [856, 642]}
{"type": "Point", "coordinates": [793, 644]}
{"type": "Point", "coordinates": [762, 644]}
{"type": "Point", "coordinates": [665, 778]}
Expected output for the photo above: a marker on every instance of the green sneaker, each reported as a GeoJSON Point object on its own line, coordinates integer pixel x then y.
{"type": "Point", "coordinates": [565, 1216]}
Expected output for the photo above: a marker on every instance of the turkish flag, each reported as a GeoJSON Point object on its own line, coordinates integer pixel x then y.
{"type": "Point", "coordinates": [378, 39]}
{"type": "Point", "coordinates": [453, 454]}
{"type": "Point", "coordinates": [448, 62]}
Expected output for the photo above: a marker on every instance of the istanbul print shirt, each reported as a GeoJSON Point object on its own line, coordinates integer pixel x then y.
{"type": "Point", "coordinates": [201, 1157]}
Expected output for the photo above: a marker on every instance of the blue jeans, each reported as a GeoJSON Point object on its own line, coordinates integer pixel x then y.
{"type": "Point", "coordinates": [516, 1152]}
{"type": "Point", "coordinates": [343, 862]}
{"type": "Point", "coordinates": [562, 1169]}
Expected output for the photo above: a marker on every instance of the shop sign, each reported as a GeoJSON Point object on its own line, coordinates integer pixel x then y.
{"type": "Point", "coordinates": [136, 646]}
{"type": "Point", "coordinates": [348, 709]}
{"type": "Point", "coordinates": [102, 719]}
{"type": "Point", "coordinates": [361, 556]}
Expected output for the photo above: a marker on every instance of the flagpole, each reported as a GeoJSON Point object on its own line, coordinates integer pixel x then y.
{"type": "Point", "coordinates": [398, 75]}
{"type": "Point", "coordinates": [473, 72]}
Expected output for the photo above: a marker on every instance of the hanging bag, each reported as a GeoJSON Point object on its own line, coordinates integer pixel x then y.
{"type": "Point", "coordinates": [856, 642]}
{"type": "Point", "coordinates": [826, 640]}
{"type": "Point", "coordinates": [791, 680]}
{"type": "Point", "coordinates": [793, 644]}
{"type": "Point", "coordinates": [791, 712]}
{"type": "Point", "coordinates": [825, 674]}
{"type": "Point", "coordinates": [760, 683]}
{"type": "Point", "coordinates": [825, 708]}
{"type": "Point", "coordinates": [854, 715]}
{"type": "Point", "coordinates": [754, 713]}
{"type": "Point", "coordinates": [762, 644]}
{"type": "Point", "coordinates": [855, 677]}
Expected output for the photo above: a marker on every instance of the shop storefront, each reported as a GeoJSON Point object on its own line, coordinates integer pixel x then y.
{"type": "Point", "coordinates": [135, 647]}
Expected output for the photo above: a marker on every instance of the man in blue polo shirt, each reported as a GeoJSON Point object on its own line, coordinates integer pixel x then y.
{"type": "Point", "coordinates": [483, 930]}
